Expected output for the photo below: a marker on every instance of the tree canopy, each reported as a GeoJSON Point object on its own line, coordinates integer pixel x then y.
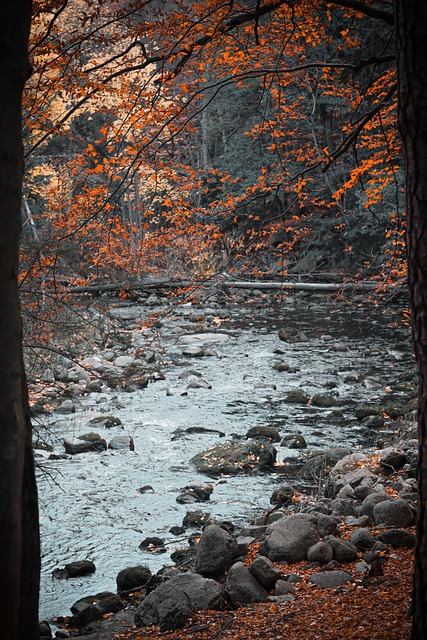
{"type": "Point", "coordinates": [258, 137]}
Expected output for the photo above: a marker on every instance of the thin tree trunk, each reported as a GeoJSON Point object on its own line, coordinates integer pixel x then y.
{"type": "Point", "coordinates": [18, 526]}
{"type": "Point", "coordinates": [411, 35]}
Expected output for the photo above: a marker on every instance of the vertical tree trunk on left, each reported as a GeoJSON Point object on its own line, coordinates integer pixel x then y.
{"type": "Point", "coordinates": [19, 553]}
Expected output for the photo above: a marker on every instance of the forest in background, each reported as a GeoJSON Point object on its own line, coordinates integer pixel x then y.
{"type": "Point", "coordinates": [196, 139]}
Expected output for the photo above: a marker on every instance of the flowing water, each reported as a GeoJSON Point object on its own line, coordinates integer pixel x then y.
{"type": "Point", "coordinates": [90, 506]}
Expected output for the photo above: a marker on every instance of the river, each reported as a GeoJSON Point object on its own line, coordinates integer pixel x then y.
{"type": "Point", "coordinates": [90, 506]}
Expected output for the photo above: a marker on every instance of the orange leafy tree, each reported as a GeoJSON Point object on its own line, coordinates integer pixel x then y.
{"type": "Point", "coordinates": [188, 138]}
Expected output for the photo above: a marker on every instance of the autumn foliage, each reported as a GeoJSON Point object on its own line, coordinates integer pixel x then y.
{"type": "Point", "coordinates": [193, 138]}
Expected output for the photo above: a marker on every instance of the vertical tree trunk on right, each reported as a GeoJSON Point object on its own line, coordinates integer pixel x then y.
{"type": "Point", "coordinates": [411, 39]}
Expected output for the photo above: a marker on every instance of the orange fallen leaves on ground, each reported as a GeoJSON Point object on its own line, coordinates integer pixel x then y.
{"type": "Point", "coordinates": [377, 610]}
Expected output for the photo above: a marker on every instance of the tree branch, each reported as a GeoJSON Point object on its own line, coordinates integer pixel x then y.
{"type": "Point", "coordinates": [352, 137]}
{"type": "Point", "coordinates": [367, 10]}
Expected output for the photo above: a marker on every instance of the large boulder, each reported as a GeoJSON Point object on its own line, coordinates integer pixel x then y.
{"type": "Point", "coordinates": [174, 601]}
{"type": "Point", "coordinates": [290, 538]}
{"type": "Point", "coordinates": [233, 458]}
{"type": "Point", "coordinates": [394, 513]}
{"type": "Point", "coordinates": [242, 586]}
{"type": "Point", "coordinates": [215, 551]}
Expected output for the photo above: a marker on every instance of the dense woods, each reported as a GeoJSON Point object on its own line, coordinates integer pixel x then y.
{"type": "Point", "coordinates": [199, 140]}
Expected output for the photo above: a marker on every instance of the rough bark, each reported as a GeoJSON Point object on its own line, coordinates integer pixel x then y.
{"type": "Point", "coordinates": [18, 504]}
{"type": "Point", "coordinates": [411, 30]}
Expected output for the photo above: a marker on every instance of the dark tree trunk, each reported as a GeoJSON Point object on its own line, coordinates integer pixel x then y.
{"type": "Point", "coordinates": [411, 36]}
{"type": "Point", "coordinates": [19, 552]}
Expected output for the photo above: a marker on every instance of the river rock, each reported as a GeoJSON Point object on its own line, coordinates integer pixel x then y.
{"type": "Point", "coordinates": [297, 396]}
{"type": "Point", "coordinates": [282, 496]}
{"type": "Point", "coordinates": [91, 608]}
{"type": "Point", "coordinates": [320, 552]}
{"type": "Point", "coordinates": [330, 579]}
{"type": "Point", "coordinates": [123, 361]}
{"type": "Point", "coordinates": [323, 400]}
{"type": "Point", "coordinates": [362, 539]}
{"type": "Point", "coordinates": [179, 433]}
{"type": "Point", "coordinates": [45, 630]}
{"type": "Point", "coordinates": [294, 441]}
{"type": "Point", "coordinates": [174, 601]}
{"type": "Point", "coordinates": [195, 492]}
{"type": "Point", "coordinates": [242, 586]}
{"type": "Point", "coordinates": [215, 552]}
{"type": "Point", "coordinates": [366, 410]}
{"type": "Point", "coordinates": [152, 543]}
{"type": "Point", "coordinates": [106, 421]}
{"type": "Point", "coordinates": [282, 587]}
{"type": "Point", "coordinates": [394, 513]}
{"type": "Point", "coordinates": [397, 538]}
{"type": "Point", "coordinates": [132, 577]}
{"type": "Point", "coordinates": [327, 525]}
{"type": "Point", "coordinates": [203, 338]}
{"type": "Point", "coordinates": [263, 433]}
{"type": "Point", "coordinates": [290, 538]}
{"type": "Point", "coordinates": [342, 507]}
{"type": "Point", "coordinates": [189, 373]}
{"type": "Point", "coordinates": [79, 568]}
{"type": "Point", "coordinates": [198, 383]}
{"type": "Point", "coordinates": [265, 572]}
{"type": "Point", "coordinates": [234, 458]}
{"type": "Point", "coordinates": [122, 442]}
{"type": "Point", "coordinates": [83, 444]}
{"type": "Point", "coordinates": [195, 519]}
{"type": "Point", "coordinates": [67, 406]}
{"type": "Point", "coordinates": [343, 550]}
{"type": "Point", "coordinates": [355, 478]}
{"type": "Point", "coordinates": [368, 504]}
{"type": "Point", "coordinates": [392, 460]}
{"type": "Point", "coordinates": [177, 391]}
{"type": "Point", "coordinates": [193, 352]}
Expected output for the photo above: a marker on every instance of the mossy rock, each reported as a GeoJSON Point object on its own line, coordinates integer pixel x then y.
{"type": "Point", "coordinates": [234, 458]}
